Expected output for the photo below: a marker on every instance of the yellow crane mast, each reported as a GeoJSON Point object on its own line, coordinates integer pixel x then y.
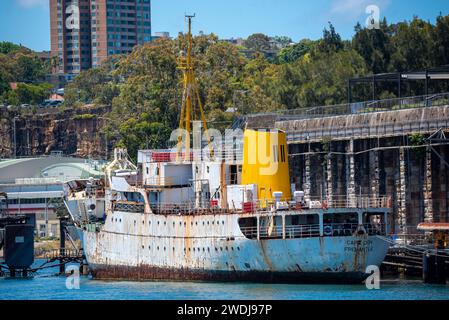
{"type": "Point", "coordinates": [190, 97]}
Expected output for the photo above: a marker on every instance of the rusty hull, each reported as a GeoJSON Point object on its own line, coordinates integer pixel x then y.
{"type": "Point", "coordinates": [133, 246]}
{"type": "Point", "coordinates": [151, 273]}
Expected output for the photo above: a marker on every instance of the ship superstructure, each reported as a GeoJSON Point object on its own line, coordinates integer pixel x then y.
{"type": "Point", "coordinates": [227, 214]}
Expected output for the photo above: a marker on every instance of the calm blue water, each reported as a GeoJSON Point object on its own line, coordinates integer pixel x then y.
{"type": "Point", "coordinates": [47, 286]}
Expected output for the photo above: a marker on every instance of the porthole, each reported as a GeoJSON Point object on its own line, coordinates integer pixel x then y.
{"type": "Point", "coordinates": [222, 222]}
{"type": "Point", "coordinates": [149, 222]}
{"type": "Point", "coordinates": [134, 222]}
{"type": "Point", "coordinates": [216, 249]}
{"type": "Point", "coordinates": [203, 223]}
{"type": "Point", "coordinates": [180, 223]}
{"type": "Point", "coordinates": [185, 224]}
{"type": "Point", "coordinates": [196, 223]}
{"type": "Point", "coordinates": [226, 248]}
{"type": "Point", "coordinates": [149, 247]}
{"type": "Point", "coordinates": [164, 248]}
{"type": "Point", "coordinates": [238, 248]}
{"type": "Point", "coordinates": [143, 247]}
{"type": "Point", "coordinates": [213, 222]}
{"type": "Point", "coordinates": [173, 224]}
{"type": "Point", "coordinates": [173, 249]}
{"type": "Point", "coordinates": [232, 248]}
{"type": "Point", "coordinates": [207, 222]}
{"type": "Point", "coordinates": [165, 223]}
{"type": "Point", "coordinates": [208, 249]}
{"type": "Point", "coordinates": [143, 222]}
{"type": "Point", "coordinates": [112, 219]}
{"type": "Point", "coordinates": [158, 248]}
{"type": "Point", "coordinates": [158, 223]}
{"type": "Point", "coordinates": [120, 220]}
{"type": "Point", "coordinates": [191, 223]}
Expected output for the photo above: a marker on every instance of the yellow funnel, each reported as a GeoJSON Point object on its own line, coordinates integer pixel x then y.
{"type": "Point", "coordinates": [265, 163]}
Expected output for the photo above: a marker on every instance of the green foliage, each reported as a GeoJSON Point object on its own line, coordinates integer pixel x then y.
{"type": "Point", "coordinates": [412, 47]}
{"type": "Point", "coordinates": [85, 116]}
{"type": "Point", "coordinates": [8, 47]}
{"type": "Point", "coordinates": [28, 93]}
{"type": "Point", "coordinates": [92, 86]}
{"type": "Point", "coordinates": [293, 53]}
{"type": "Point", "coordinates": [416, 140]}
{"type": "Point", "coordinates": [144, 88]}
{"type": "Point", "coordinates": [142, 133]}
{"type": "Point", "coordinates": [19, 64]}
{"type": "Point", "coordinates": [441, 41]}
{"type": "Point", "coordinates": [331, 41]}
{"type": "Point", "coordinates": [282, 41]}
{"type": "Point", "coordinates": [374, 46]}
{"type": "Point", "coordinates": [258, 42]}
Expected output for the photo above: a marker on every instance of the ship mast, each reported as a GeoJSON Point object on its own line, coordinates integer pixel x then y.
{"type": "Point", "coordinates": [190, 97]}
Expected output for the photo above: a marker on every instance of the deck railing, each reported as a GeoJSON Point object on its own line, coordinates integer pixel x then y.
{"type": "Point", "coordinates": [354, 201]}
{"type": "Point", "coordinates": [337, 202]}
{"type": "Point", "coordinates": [394, 104]}
{"type": "Point", "coordinates": [313, 231]}
{"type": "Point", "coordinates": [125, 206]}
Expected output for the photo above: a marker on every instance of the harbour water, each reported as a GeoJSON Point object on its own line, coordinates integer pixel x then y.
{"type": "Point", "coordinates": [46, 286]}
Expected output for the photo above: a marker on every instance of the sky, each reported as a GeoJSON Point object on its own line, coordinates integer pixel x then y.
{"type": "Point", "coordinates": [27, 22]}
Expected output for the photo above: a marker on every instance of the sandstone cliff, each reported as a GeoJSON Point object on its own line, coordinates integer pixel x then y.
{"type": "Point", "coordinates": [74, 132]}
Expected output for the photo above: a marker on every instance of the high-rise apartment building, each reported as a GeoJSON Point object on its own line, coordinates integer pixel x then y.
{"type": "Point", "coordinates": [85, 32]}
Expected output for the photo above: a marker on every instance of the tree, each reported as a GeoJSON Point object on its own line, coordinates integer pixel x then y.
{"type": "Point", "coordinates": [295, 52]}
{"type": "Point", "coordinates": [8, 47]}
{"type": "Point", "coordinates": [19, 64]}
{"type": "Point", "coordinates": [92, 86]}
{"type": "Point", "coordinates": [141, 133]}
{"type": "Point", "coordinates": [282, 41]}
{"type": "Point", "coordinates": [258, 42]}
{"type": "Point", "coordinates": [441, 41]}
{"type": "Point", "coordinates": [323, 79]}
{"type": "Point", "coordinates": [374, 46]}
{"type": "Point", "coordinates": [331, 41]}
{"type": "Point", "coordinates": [412, 47]}
{"type": "Point", "coordinates": [28, 93]}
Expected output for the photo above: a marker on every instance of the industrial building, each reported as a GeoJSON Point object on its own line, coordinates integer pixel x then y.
{"type": "Point", "coordinates": [35, 186]}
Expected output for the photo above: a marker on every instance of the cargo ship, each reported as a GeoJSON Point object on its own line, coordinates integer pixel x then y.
{"type": "Point", "coordinates": [203, 213]}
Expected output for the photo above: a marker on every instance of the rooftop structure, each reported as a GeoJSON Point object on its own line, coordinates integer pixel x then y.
{"type": "Point", "coordinates": [35, 186]}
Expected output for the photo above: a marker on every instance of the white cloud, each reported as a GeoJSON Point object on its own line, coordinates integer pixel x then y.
{"type": "Point", "coordinates": [31, 3]}
{"type": "Point", "coordinates": [355, 8]}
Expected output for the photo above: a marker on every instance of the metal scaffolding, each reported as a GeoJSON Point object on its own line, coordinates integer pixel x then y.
{"type": "Point", "coordinates": [439, 73]}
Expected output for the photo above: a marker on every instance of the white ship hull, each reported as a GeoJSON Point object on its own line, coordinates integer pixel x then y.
{"type": "Point", "coordinates": [153, 247]}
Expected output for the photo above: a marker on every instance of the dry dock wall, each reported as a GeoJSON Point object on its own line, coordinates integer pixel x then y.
{"type": "Point", "coordinates": [376, 154]}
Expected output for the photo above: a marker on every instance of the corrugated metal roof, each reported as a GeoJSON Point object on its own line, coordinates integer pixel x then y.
{"type": "Point", "coordinates": [13, 169]}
